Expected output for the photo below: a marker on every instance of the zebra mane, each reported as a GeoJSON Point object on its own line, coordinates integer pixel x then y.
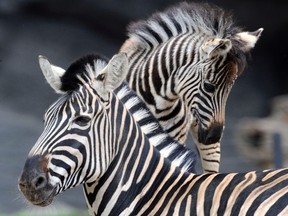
{"type": "Point", "coordinates": [182, 18]}
{"type": "Point", "coordinates": [188, 18]}
{"type": "Point", "coordinates": [81, 70]}
{"type": "Point", "coordinates": [168, 147]}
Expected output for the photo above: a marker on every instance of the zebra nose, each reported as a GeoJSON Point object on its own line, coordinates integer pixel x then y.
{"type": "Point", "coordinates": [39, 182]}
{"type": "Point", "coordinates": [33, 176]}
{"type": "Point", "coordinates": [211, 135]}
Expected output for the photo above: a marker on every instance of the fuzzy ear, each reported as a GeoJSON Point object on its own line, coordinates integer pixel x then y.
{"type": "Point", "coordinates": [117, 70]}
{"type": "Point", "coordinates": [112, 75]}
{"type": "Point", "coordinates": [248, 39]}
{"type": "Point", "coordinates": [52, 74]}
{"type": "Point", "coordinates": [216, 46]}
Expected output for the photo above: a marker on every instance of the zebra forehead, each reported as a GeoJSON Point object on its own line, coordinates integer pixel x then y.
{"type": "Point", "coordinates": [82, 69]}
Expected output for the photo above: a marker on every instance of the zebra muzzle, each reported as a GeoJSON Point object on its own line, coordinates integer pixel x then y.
{"type": "Point", "coordinates": [34, 184]}
{"type": "Point", "coordinates": [210, 135]}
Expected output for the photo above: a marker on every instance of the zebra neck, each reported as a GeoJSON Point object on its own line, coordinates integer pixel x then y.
{"type": "Point", "coordinates": [165, 76]}
{"type": "Point", "coordinates": [134, 186]}
{"type": "Point", "coordinates": [159, 66]}
{"type": "Point", "coordinates": [137, 171]}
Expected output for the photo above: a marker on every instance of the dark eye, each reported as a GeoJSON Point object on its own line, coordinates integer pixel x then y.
{"type": "Point", "coordinates": [82, 120]}
{"type": "Point", "coordinates": [209, 87]}
{"type": "Point", "coordinates": [100, 77]}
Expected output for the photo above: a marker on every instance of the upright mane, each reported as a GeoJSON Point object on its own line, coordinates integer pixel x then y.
{"type": "Point", "coordinates": [184, 18]}
{"type": "Point", "coordinates": [193, 18]}
{"type": "Point", "coordinates": [71, 79]}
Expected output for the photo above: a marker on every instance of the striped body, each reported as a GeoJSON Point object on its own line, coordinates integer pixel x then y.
{"type": "Point", "coordinates": [183, 64]}
{"type": "Point", "coordinates": [91, 138]}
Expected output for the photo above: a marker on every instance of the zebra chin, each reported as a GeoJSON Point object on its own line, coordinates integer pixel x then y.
{"type": "Point", "coordinates": [210, 135]}
{"type": "Point", "coordinates": [34, 183]}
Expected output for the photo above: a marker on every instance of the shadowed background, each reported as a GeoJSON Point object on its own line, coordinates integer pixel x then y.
{"type": "Point", "coordinates": [64, 30]}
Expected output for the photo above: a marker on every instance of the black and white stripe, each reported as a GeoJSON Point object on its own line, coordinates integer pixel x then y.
{"type": "Point", "coordinates": [95, 141]}
{"type": "Point", "coordinates": [183, 64]}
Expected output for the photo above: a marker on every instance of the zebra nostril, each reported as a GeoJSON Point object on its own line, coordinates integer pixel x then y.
{"type": "Point", "coordinates": [39, 182]}
{"type": "Point", "coordinates": [214, 135]}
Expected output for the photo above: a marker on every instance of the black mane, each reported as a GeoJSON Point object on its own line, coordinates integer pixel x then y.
{"type": "Point", "coordinates": [70, 80]}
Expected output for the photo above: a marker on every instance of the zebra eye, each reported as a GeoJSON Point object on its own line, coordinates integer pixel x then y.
{"type": "Point", "coordinates": [82, 120]}
{"type": "Point", "coordinates": [100, 77]}
{"type": "Point", "coordinates": [209, 87]}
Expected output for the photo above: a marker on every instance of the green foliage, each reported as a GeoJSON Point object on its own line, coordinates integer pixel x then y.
{"type": "Point", "coordinates": [60, 213]}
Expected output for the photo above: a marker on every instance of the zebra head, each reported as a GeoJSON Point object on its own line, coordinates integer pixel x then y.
{"type": "Point", "coordinates": [61, 158]}
{"type": "Point", "coordinates": [220, 63]}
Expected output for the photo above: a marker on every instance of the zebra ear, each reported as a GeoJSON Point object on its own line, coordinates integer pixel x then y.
{"type": "Point", "coordinates": [52, 74]}
{"type": "Point", "coordinates": [117, 69]}
{"type": "Point", "coordinates": [112, 75]}
{"type": "Point", "coordinates": [248, 39]}
{"type": "Point", "coordinates": [216, 46]}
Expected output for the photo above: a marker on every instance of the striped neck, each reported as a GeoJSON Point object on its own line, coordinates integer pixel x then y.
{"type": "Point", "coordinates": [163, 82]}
{"type": "Point", "coordinates": [172, 58]}
{"type": "Point", "coordinates": [135, 165]}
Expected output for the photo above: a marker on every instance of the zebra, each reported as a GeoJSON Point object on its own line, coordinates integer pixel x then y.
{"type": "Point", "coordinates": [183, 64]}
{"type": "Point", "coordinates": [91, 138]}
{"type": "Point", "coordinates": [178, 154]}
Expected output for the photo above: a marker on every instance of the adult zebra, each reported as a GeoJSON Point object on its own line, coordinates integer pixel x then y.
{"type": "Point", "coordinates": [122, 173]}
{"type": "Point", "coordinates": [183, 63]}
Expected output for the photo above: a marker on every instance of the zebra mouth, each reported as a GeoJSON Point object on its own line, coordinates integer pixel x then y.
{"type": "Point", "coordinates": [42, 197]}
{"type": "Point", "coordinates": [47, 201]}
{"type": "Point", "coordinates": [43, 203]}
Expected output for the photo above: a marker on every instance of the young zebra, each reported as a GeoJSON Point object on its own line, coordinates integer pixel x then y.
{"type": "Point", "coordinates": [90, 138]}
{"type": "Point", "coordinates": [183, 63]}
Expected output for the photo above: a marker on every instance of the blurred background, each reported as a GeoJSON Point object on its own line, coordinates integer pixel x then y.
{"type": "Point", "coordinates": [64, 30]}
